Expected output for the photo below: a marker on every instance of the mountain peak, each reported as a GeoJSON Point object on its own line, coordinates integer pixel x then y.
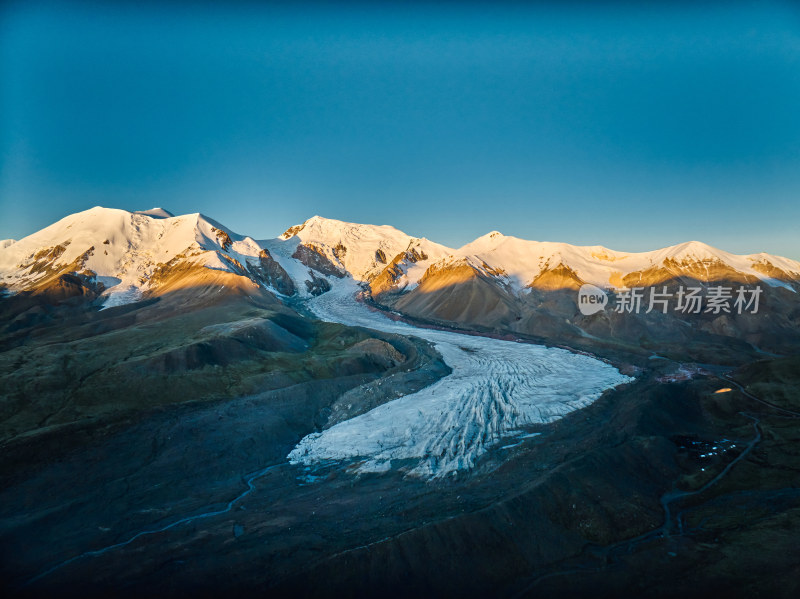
{"type": "Point", "coordinates": [693, 245]}
{"type": "Point", "coordinates": [315, 223]}
{"type": "Point", "coordinates": [156, 213]}
{"type": "Point", "coordinates": [487, 242]}
{"type": "Point", "coordinates": [695, 249]}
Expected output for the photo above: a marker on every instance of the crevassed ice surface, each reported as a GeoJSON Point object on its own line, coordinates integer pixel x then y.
{"type": "Point", "coordinates": [496, 388]}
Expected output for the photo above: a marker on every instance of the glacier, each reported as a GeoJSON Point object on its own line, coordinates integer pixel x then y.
{"type": "Point", "coordinates": [495, 390]}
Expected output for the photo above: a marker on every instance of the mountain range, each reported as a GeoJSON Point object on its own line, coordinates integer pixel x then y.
{"type": "Point", "coordinates": [136, 244]}
{"type": "Point", "coordinates": [494, 284]}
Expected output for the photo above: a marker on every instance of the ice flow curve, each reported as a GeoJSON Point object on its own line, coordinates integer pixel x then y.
{"type": "Point", "coordinates": [495, 389]}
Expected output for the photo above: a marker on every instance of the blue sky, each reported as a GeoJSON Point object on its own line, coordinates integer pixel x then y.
{"type": "Point", "coordinates": [630, 126]}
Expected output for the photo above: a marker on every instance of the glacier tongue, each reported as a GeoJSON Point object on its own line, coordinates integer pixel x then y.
{"type": "Point", "coordinates": [495, 389]}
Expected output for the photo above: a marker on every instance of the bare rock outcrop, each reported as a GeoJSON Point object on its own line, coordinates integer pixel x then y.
{"type": "Point", "coordinates": [272, 274]}
{"type": "Point", "coordinates": [314, 257]}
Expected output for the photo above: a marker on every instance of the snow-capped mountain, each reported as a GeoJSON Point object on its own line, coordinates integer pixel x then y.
{"type": "Point", "coordinates": [366, 251]}
{"type": "Point", "coordinates": [525, 262]}
{"type": "Point", "coordinates": [389, 259]}
{"type": "Point", "coordinates": [130, 253]}
{"type": "Point", "coordinates": [121, 251]}
{"type": "Point", "coordinates": [503, 284]}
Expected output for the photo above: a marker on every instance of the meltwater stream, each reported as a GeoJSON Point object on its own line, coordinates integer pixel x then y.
{"type": "Point", "coordinates": [496, 388]}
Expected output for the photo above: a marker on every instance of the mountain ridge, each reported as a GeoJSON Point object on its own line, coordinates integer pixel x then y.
{"type": "Point", "coordinates": [122, 250]}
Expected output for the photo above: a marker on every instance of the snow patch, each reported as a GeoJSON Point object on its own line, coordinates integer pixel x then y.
{"type": "Point", "coordinates": [121, 296]}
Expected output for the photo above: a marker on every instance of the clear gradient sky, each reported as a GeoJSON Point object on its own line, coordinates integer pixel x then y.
{"type": "Point", "coordinates": [591, 123]}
